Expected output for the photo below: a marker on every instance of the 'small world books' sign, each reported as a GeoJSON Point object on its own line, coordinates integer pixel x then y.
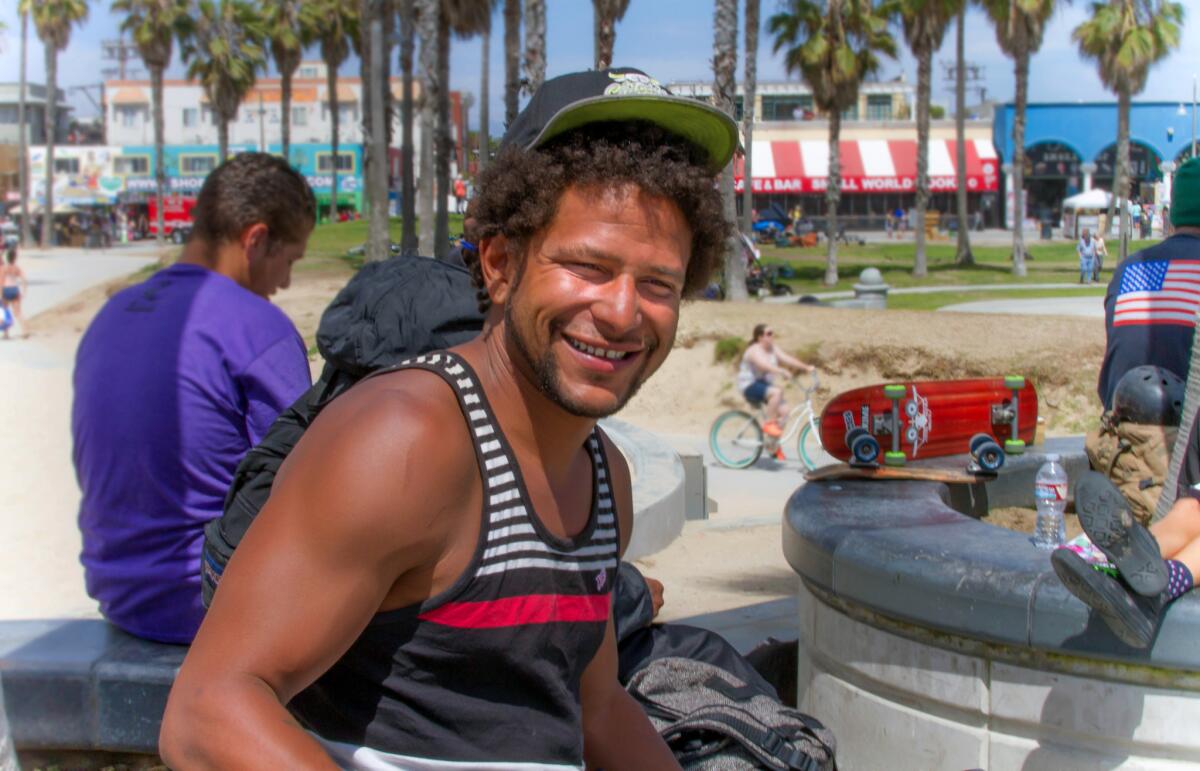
{"type": "Point", "coordinates": [320, 183]}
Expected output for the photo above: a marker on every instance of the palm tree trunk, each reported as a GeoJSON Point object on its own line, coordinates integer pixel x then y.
{"type": "Point", "coordinates": [377, 219]}
{"type": "Point", "coordinates": [512, 59]}
{"type": "Point", "coordinates": [963, 255]}
{"type": "Point", "coordinates": [408, 204]}
{"type": "Point", "coordinates": [50, 118]}
{"type": "Point", "coordinates": [334, 109]}
{"type": "Point", "coordinates": [924, 78]}
{"type": "Point", "coordinates": [368, 99]}
{"type": "Point", "coordinates": [749, 87]}
{"type": "Point", "coordinates": [285, 120]}
{"type": "Point", "coordinates": [160, 171]}
{"type": "Point", "coordinates": [535, 44]}
{"type": "Point", "coordinates": [1018, 165]}
{"type": "Point", "coordinates": [833, 195]}
{"type": "Point", "coordinates": [1122, 181]}
{"type": "Point", "coordinates": [484, 95]}
{"type": "Point", "coordinates": [427, 30]}
{"type": "Point", "coordinates": [222, 138]}
{"type": "Point", "coordinates": [605, 37]}
{"type": "Point", "coordinates": [441, 233]}
{"type": "Point", "coordinates": [23, 142]}
{"type": "Point", "coordinates": [725, 17]}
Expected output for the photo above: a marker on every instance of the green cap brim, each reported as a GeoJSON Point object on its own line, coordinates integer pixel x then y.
{"type": "Point", "coordinates": [699, 123]}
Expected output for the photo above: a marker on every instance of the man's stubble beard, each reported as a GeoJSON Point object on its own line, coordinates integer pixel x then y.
{"type": "Point", "coordinates": [546, 374]}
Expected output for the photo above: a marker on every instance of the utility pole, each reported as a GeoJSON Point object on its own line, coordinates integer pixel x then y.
{"type": "Point", "coordinates": [118, 51]}
{"type": "Point", "coordinates": [1193, 114]}
{"type": "Point", "coordinates": [262, 129]}
{"type": "Point", "coordinates": [23, 150]}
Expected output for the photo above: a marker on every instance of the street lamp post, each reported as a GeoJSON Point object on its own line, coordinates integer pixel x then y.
{"type": "Point", "coordinates": [1193, 116]}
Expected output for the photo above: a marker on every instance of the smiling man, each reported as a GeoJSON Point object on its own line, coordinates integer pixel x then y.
{"type": "Point", "coordinates": [429, 584]}
{"type": "Point", "coordinates": [175, 380]}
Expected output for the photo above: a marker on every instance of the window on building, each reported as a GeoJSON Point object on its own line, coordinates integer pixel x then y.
{"type": "Point", "coordinates": [787, 107]}
{"type": "Point", "coordinates": [8, 113]}
{"type": "Point", "coordinates": [191, 117]}
{"type": "Point", "coordinates": [132, 165]}
{"type": "Point", "coordinates": [129, 116]}
{"type": "Point", "coordinates": [850, 113]}
{"type": "Point", "coordinates": [197, 164]}
{"type": "Point", "coordinates": [308, 71]}
{"type": "Point", "coordinates": [66, 165]}
{"type": "Point", "coordinates": [879, 106]}
{"type": "Point", "coordinates": [347, 113]}
{"type": "Point", "coordinates": [325, 165]}
{"type": "Point", "coordinates": [299, 116]}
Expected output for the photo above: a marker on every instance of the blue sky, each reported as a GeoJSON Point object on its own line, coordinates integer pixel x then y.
{"type": "Point", "coordinates": [672, 40]}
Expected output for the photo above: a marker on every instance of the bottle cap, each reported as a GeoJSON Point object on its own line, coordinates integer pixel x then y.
{"type": "Point", "coordinates": [1052, 457]}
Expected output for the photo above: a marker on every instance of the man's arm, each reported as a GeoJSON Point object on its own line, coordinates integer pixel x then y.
{"type": "Point", "coordinates": [319, 561]}
{"type": "Point", "coordinates": [793, 362]}
{"type": "Point", "coordinates": [616, 732]}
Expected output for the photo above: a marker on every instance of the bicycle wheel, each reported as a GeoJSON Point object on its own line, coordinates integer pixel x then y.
{"type": "Point", "coordinates": [736, 439]}
{"type": "Point", "coordinates": [812, 453]}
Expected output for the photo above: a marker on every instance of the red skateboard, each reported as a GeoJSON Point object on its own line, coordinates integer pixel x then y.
{"type": "Point", "coordinates": [988, 418]}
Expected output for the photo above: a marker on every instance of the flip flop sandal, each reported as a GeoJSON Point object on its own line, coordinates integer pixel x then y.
{"type": "Point", "coordinates": [1105, 517]}
{"type": "Point", "coordinates": [1133, 622]}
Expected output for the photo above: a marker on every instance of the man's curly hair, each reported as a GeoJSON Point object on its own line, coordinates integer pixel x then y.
{"type": "Point", "coordinates": [518, 192]}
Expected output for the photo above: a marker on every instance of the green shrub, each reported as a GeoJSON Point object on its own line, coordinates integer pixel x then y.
{"type": "Point", "coordinates": [728, 349]}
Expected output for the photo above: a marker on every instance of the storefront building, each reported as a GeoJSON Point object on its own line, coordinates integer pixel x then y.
{"type": "Point", "coordinates": [877, 155]}
{"type": "Point", "coordinates": [1071, 148]}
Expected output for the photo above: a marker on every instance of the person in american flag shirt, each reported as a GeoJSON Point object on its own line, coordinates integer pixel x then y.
{"type": "Point", "coordinates": [1150, 307]}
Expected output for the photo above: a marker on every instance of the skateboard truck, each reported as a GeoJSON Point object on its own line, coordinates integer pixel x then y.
{"type": "Point", "coordinates": [895, 456]}
{"type": "Point", "coordinates": [1014, 445]}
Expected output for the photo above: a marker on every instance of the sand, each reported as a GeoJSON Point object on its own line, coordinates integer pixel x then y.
{"type": "Point", "coordinates": [714, 566]}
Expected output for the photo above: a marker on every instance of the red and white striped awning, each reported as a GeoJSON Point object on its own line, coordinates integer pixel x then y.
{"type": "Point", "coordinates": [868, 166]}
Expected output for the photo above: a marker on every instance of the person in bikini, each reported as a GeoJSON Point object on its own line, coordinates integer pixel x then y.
{"type": "Point", "coordinates": [762, 364]}
{"type": "Point", "coordinates": [14, 288]}
{"type": "Point", "coordinates": [428, 585]}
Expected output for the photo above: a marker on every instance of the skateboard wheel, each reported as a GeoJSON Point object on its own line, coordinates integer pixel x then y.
{"type": "Point", "coordinates": [855, 432]}
{"type": "Point", "coordinates": [864, 448]}
{"type": "Point", "coordinates": [1014, 381]}
{"type": "Point", "coordinates": [989, 456]}
{"type": "Point", "coordinates": [910, 434]}
{"type": "Point", "coordinates": [910, 409]}
{"type": "Point", "coordinates": [891, 458]}
{"type": "Point", "coordinates": [1014, 446]}
{"type": "Point", "coordinates": [894, 391]}
{"type": "Point", "coordinates": [978, 441]}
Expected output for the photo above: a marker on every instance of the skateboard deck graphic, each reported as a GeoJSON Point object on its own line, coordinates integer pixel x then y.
{"type": "Point", "coordinates": [935, 417]}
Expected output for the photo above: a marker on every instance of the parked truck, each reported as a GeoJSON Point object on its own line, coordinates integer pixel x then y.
{"type": "Point", "coordinates": [177, 216]}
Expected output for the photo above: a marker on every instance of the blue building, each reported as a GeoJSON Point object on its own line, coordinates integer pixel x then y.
{"type": "Point", "coordinates": [1071, 147]}
{"type": "Point", "coordinates": [187, 166]}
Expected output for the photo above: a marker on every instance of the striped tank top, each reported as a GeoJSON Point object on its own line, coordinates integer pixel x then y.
{"type": "Point", "coordinates": [485, 675]}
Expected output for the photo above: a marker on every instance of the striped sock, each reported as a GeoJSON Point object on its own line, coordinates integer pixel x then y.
{"type": "Point", "coordinates": [1179, 579]}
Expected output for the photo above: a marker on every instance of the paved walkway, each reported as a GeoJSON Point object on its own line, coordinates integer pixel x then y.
{"type": "Point", "coordinates": [1088, 307]}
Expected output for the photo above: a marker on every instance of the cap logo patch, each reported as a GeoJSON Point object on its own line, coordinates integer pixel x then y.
{"type": "Point", "coordinates": [634, 84]}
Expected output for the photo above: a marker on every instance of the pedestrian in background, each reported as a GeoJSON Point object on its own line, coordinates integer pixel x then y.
{"type": "Point", "coordinates": [1086, 248]}
{"type": "Point", "coordinates": [1101, 251]}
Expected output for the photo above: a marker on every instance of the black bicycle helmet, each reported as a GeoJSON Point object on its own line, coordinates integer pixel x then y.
{"type": "Point", "coordinates": [1149, 395]}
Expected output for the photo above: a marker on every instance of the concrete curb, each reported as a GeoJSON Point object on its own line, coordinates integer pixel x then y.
{"type": "Point", "coordinates": [658, 487]}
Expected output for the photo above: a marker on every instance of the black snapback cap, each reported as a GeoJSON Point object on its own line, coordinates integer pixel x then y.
{"type": "Point", "coordinates": [621, 94]}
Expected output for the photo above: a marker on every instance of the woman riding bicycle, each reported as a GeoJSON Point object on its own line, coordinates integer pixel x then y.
{"type": "Point", "coordinates": [763, 362]}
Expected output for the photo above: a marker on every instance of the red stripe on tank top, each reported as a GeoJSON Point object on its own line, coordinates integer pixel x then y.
{"type": "Point", "coordinates": [519, 611]}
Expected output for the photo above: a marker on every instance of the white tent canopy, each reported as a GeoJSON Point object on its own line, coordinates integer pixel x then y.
{"type": "Point", "coordinates": [1094, 199]}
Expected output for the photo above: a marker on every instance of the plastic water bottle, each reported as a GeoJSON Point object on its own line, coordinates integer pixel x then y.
{"type": "Point", "coordinates": [1050, 491]}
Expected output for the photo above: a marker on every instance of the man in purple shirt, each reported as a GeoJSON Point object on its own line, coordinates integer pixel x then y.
{"type": "Point", "coordinates": [175, 380]}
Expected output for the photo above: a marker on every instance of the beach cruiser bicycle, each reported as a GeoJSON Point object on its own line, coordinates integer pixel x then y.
{"type": "Point", "coordinates": [737, 439]}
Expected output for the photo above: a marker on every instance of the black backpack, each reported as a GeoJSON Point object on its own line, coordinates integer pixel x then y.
{"type": "Point", "coordinates": [389, 311]}
{"type": "Point", "coordinates": [713, 720]}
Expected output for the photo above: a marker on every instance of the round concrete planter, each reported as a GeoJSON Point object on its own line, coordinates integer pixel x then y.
{"type": "Point", "coordinates": [658, 487]}
{"type": "Point", "coordinates": [932, 640]}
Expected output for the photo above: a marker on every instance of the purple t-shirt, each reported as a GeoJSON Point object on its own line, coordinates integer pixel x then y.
{"type": "Point", "coordinates": [175, 380]}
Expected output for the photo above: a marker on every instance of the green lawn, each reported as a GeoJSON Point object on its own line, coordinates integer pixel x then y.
{"type": "Point", "coordinates": [1048, 263]}
{"type": "Point", "coordinates": [329, 242]}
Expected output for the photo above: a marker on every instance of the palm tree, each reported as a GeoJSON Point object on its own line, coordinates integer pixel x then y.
{"type": "Point", "coordinates": [428, 12]}
{"type": "Point", "coordinates": [606, 14]}
{"type": "Point", "coordinates": [749, 88]}
{"type": "Point", "coordinates": [924, 23]}
{"type": "Point", "coordinates": [408, 188]}
{"type": "Point", "coordinates": [335, 27]}
{"type": "Point", "coordinates": [485, 40]}
{"type": "Point", "coordinates": [512, 59]}
{"type": "Point", "coordinates": [465, 18]}
{"type": "Point", "coordinates": [1019, 25]}
{"type": "Point", "coordinates": [288, 35]}
{"type": "Point", "coordinates": [834, 45]}
{"type": "Point", "coordinates": [225, 52]}
{"type": "Point", "coordinates": [725, 19]}
{"type": "Point", "coordinates": [23, 128]}
{"type": "Point", "coordinates": [535, 44]}
{"type": "Point", "coordinates": [53, 20]}
{"type": "Point", "coordinates": [1126, 38]}
{"type": "Point", "coordinates": [377, 87]}
{"type": "Point", "coordinates": [153, 26]}
{"type": "Point", "coordinates": [963, 254]}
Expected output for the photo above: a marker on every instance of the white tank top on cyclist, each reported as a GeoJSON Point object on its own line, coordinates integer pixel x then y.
{"type": "Point", "coordinates": [748, 373]}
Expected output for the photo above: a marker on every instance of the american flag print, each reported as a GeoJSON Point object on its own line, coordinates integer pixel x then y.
{"type": "Point", "coordinates": [1158, 292]}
